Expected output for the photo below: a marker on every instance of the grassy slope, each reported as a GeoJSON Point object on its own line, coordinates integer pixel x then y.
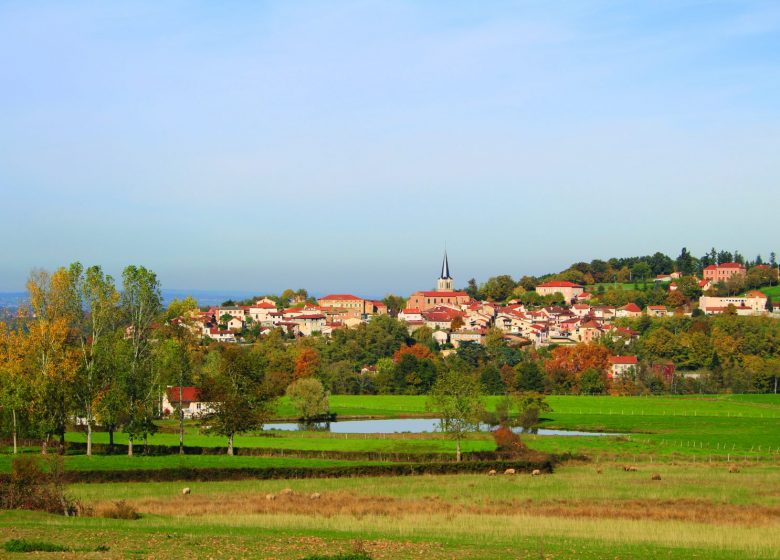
{"type": "Point", "coordinates": [772, 291]}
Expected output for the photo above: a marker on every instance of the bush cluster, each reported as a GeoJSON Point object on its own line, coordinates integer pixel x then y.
{"type": "Point", "coordinates": [34, 485]}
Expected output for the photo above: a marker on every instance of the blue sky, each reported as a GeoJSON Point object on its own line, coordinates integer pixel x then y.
{"type": "Point", "coordinates": [337, 145]}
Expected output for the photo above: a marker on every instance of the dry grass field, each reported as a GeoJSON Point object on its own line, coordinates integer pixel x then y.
{"type": "Point", "coordinates": [580, 511]}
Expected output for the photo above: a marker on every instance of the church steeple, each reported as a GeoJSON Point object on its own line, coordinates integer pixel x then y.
{"type": "Point", "coordinates": [445, 267]}
{"type": "Point", "coordinates": [445, 283]}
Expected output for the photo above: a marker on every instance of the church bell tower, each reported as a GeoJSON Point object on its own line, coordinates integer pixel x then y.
{"type": "Point", "coordinates": [445, 283]}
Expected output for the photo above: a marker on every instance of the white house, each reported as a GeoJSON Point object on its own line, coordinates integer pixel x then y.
{"type": "Point", "coordinates": [191, 403]}
{"type": "Point", "coordinates": [621, 365]}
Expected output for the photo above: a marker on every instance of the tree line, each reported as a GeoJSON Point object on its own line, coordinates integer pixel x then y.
{"type": "Point", "coordinates": [98, 353]}
{"type": "Point", "coordinates": [639, 270]}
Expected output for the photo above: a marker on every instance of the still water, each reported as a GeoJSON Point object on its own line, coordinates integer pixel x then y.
{"type": "Point", "coordinates": [399, 426]}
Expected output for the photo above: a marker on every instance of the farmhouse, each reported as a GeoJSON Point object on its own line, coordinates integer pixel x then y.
{"type": "Point", "coordinates": [619, 366]}
{"type": "Point", "coordinates": [191, 404]}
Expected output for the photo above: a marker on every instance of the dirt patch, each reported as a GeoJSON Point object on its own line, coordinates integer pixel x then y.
{"type": "Point", "coordinates": [346, 503]}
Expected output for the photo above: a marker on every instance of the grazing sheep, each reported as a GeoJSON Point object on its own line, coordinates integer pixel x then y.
{"type": "Point", "coordinates": [536, 472]}
{"type": "Point", "coordinates": [270, 497]}
{"type": "Point", "coordinates": [630, 468]}
{"type": "Point", "coordinates": [185, 491]}
{"type": "Point", "coordinates": [315, 496]}
{"type": "Point", "coordinates": [733, 469]}
{"type": "Point", "coordinates": [655, 476]}
{"type": "Point", "coordinates": [509, 471]}
{"type": "Point", "coordinates": [286, 491]}
{"type": "Point", "coordinates": [492, 472]}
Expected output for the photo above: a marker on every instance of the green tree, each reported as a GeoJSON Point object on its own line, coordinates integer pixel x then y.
{"type": "Point", "coordinates": [309, 398]}
{"type": "Point", "coordinates": [96, 317]}
{"type": "Point", "coordinates": [498, 288]}
{"type": "Point", "coordinates": [234, 386]}
{"type": "Point", "coordinates": [529, 407]}
{"type": "Point", "coordinates": [529, 376]}
{"type": "Point", "coordinates": [491, 380]}
{"type": "Point", "coordinates": [141, 304]}
{"type": "Point", "coordinates": [457, 398]}
{"type": "Point", "coordinates": [592, 382]}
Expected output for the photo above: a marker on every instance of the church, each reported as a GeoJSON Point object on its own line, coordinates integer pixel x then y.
{"type": "Point", "coordinates": [443, 295]}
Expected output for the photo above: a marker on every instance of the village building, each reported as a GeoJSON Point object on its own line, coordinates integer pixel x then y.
{"type": "Point", "coordinates": [459, 337]}
{"type": "Point", "coordinates": [656, 311]}
{"type": "Point", "coordinates": [619, 366]}
{"type": "Point", "coordinates": [569, 290]}
{"type": "Point", "coordinates": [752, 303]}
{"type": "Point", "coordinates": [723, 272]}
{"type": "Point", "coordinates": [350, 306]}
{"type": "Point", "coordinates": [630, 310]}
{"type": "Point", "coordinates": [192, 405]}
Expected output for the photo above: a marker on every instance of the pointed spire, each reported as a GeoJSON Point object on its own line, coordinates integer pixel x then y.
{"type": "Point", "coordinates": [445, 266]}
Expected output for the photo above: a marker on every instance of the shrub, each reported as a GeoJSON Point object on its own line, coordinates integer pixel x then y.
{"type": "Point", "coordinates": [120, 510]}
{"type": "Point", "coordinates": [507, 441]}
{"type": "Point", "coordinates": [32, 487]}
{"type": "Point", "coordinates": [23, 545]}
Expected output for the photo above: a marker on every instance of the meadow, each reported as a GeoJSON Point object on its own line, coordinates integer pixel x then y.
{"type": "Point", "coordinates": [707, 485]}
{"type": "Point", "coordinates": [693, 511]}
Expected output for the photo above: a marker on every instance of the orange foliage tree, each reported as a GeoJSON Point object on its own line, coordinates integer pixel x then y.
{"type": "Point", "coordinates": [419, 351]}
{"type": "Point", "coordinates": [307, 364]}
{"type": "Point", "coordinates": [574, 360]}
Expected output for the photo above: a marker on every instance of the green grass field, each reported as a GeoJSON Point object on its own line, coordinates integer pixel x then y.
{"type": "Point", "coordinates": [590, 510]}
{"type": "Point", "coordinates": [772, 291]}
{"type": "Point", "coordinates": [660, 428]}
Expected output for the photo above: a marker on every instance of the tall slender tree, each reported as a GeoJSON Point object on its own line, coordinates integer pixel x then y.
{"type": "Point", "coordinates": [96, 317]}
{"type": "Point", "coordinates": [141, 304]}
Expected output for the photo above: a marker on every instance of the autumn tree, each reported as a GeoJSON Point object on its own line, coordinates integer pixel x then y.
{"type": "Point", "coordinates": [51, 358]}
{"type": "Point", "coordinates": [418, 350]}
{"type": "Point", "coordinates": [15, 388]}
{"type": "Point", "coordinates": [307, 364]}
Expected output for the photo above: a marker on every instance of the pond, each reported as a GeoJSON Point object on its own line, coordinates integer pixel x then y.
{"type": "Point", "coordinates": [401, 425]}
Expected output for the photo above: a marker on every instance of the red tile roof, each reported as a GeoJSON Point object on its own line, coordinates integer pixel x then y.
{"type": "Point", "coordinates": [624, 360]}
{"type": "Point", "coordinates": [756, 294]}
{"type": "Point", "coordinates": [631, 308]}
{"type": "Point", "coordinates": [443, 294]}
{"type": "Point", "coordinates": [188, 394]}
{"type": "Point", "coordinates": [339, 297]}
{"type": "Point", "coordinates": [559, 284]}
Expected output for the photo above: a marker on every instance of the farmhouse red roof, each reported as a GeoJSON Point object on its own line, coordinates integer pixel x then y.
{"type": "Point", "coordinates": [631, 308]}
{"type": "Point", "coordinates": [339, 297]}
{"type": "Point", "coordinates": [623, 360]}
{"type": "Point", "coordinates": [188, 394]}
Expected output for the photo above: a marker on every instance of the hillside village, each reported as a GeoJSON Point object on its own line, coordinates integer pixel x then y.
{"type": "Point", "coordinates": [455, 318]}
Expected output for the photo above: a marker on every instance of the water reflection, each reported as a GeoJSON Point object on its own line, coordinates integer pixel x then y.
{"type": "Point", "coordinates": [402, 425]}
